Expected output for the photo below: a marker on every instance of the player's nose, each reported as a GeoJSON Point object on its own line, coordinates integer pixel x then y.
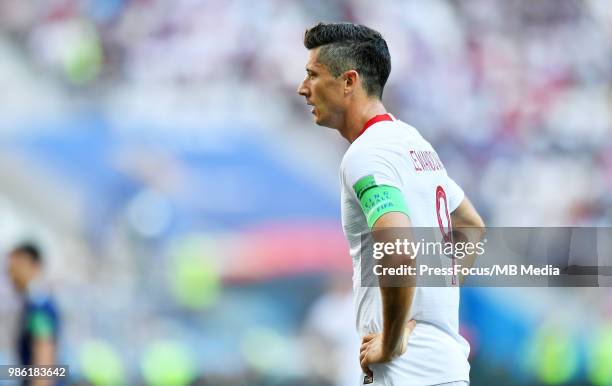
{"type": "Point", "coordinates": [302, 90]}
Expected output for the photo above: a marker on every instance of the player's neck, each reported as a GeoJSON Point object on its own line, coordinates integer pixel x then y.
{"type": "Point", "coordinates": [357, 115]}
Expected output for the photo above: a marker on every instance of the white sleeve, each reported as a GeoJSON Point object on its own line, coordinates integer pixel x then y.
{"type": "Point", "coordinates": [454, 194]}
{"type": "Point", "coordinates": [375, 162]}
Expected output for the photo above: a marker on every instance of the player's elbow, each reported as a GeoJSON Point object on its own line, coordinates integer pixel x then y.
{"type": "Point", "coordinates": [476, 223]}
{"type": "Point", "coordinates": [472, 225]}
{"type": "Point", "coordinates": [466, 216]}
{"type": "Point", "coordinates": [478, 227]}
{"type": "Point", "coordinates": [481, 229]}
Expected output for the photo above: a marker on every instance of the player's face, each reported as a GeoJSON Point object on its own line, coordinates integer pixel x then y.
{"type": "Point", "coordinates": [323, 91]}
{"type": "Point", "coordinates": [18, 269]}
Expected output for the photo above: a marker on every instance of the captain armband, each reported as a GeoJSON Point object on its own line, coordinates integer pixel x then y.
{"type": "Point", "coordinates": [376, 200]}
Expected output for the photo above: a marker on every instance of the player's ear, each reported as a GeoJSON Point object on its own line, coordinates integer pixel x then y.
{"type": "Point", "coordinates": [351, 79]}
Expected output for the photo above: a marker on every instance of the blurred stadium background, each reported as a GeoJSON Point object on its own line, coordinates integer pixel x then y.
{"type": "Point", "coordinates": [189, 209]}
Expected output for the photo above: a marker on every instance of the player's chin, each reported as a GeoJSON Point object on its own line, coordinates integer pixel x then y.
{"type": "Point", "coordinates": [320, 121]}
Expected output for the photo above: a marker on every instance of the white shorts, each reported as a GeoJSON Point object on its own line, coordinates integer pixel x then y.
{"type": "Point", "coordinates": [456, 383]}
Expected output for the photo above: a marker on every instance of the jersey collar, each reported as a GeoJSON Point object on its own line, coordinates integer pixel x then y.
{"type": "Point", "coordinates": [373, 120]}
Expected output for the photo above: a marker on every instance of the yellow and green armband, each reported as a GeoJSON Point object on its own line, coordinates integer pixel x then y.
{"type": "Point", "coordinates": [376, 200]}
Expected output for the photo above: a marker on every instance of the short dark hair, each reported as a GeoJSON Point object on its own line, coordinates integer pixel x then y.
{"type": "Point", "coordinates": [29, 249]}
{"type": "Point", "coordinates": [348, 46]}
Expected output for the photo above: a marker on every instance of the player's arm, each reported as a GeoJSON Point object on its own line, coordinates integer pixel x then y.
{"type": "Point", "coordinates": [467, 227]}
{"type": "Point", "coordinates": [396, 297]}
{"type": "Point", "coordinates": [43, 354]}
{"type": "Point", "coordinates": [387, 216]}
{"type": "Point", "coordinates": [43, 345]}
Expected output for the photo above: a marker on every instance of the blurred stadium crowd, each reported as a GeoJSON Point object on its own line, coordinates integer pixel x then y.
{"type": "Point", "coordinates": [188, 206]}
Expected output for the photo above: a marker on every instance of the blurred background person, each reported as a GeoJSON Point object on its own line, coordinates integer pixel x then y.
{"type": "Point", "coordinates": [330, 339]}
{"type": "Point", "coordinates": [38, 328]}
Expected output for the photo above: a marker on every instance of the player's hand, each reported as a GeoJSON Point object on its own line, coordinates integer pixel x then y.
{"type": "Point", "coordinates": [372, 350]}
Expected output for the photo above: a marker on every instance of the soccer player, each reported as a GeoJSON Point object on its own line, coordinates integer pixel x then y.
{"type": "Point", "coordinates": [38, 322]}
{"type": "Point", "coordinates": [391, 178]}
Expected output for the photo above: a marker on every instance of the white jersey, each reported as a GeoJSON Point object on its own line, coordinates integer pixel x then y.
{"type": "Point", "coordinates": [397, 155]}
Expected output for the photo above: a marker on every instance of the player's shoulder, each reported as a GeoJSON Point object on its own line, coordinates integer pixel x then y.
{"type": "Point", "coordinates": [361, 153]}
{"type": "Point", "coordinates": [41, 303]}
{"type": "Point", "coordinates": [40, 298]}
